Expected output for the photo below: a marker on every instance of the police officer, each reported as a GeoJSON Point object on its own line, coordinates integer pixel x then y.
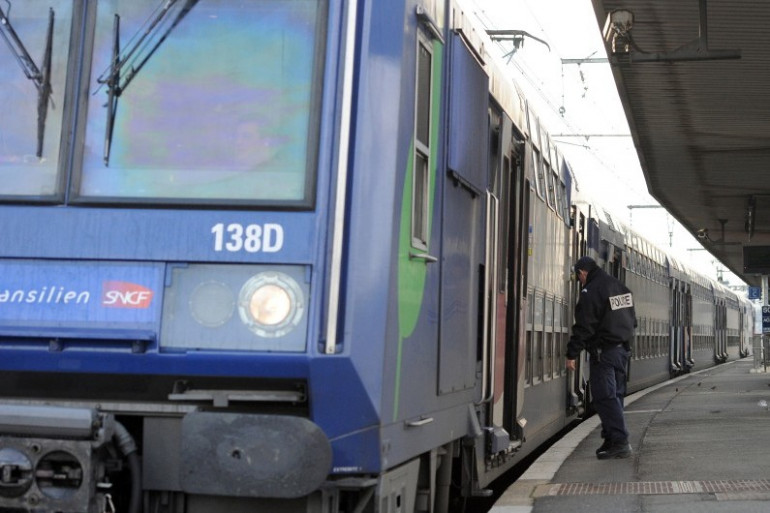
{"type": "Point", "coordinates": [604, 324]}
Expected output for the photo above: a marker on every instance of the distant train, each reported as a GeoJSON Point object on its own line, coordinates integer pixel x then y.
{"type": "Point", "coordinates": [302, 256]}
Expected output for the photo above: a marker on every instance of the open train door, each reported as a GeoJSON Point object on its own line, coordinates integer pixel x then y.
{"type": "Point", "coordinates": [676, 335]}
{"type": "Point", "coordinates": [506, 266]}
{"type": "Point", "coordinates": [687, 357]}
{"type": "Point", "coordinates": [577, 395]}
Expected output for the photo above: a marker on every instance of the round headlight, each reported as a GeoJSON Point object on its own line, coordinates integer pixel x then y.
{"type": "Point", "coordinates": [212, 304]}
{"type": "Point", "coordinates": [271, 304]}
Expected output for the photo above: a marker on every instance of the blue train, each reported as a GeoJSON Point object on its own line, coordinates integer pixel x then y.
{"type": "Point", "coordinates": [297, 256]}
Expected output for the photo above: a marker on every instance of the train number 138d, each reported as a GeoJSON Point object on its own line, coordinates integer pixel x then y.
{"type": "Point", "coordinates": [252, 238]}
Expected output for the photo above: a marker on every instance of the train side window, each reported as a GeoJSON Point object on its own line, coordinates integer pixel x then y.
{"type": "Point", "coordinates": [549, 338]}
{"type": "Point", "coordinates": [421, 184]}
{"type": "Point", "coordinates": [506, 184]}
{"type": "Point", "coordinates": [559, 195]}
{"type": "Point", "coordinates": [557, 338]}
{"type": "Point", "coordinates": [565, 337]}
{"type": "Point", "coordinates": [537, 166]}
{"type": "Point", "coordinates": [551, 186]}
{"type": "Point", "coordinates": [539, 330]}
{"type": "Point", "coordinates": [530, 338]}
{"type": "Point", "coordinates": [545, 155]}
{"type": "Point", "coordinates": [660, 336]}
{"type": "Point", "coordinates": [647, 341]}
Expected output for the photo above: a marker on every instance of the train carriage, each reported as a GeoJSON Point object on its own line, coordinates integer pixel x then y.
{"type": "Point", "coordinates": [746, 333]}
{"type": "Point", "coordinates": [686, 321]}
{"type": "Point", "coordinates": [646, 277]}
{"type": "Point", "coordinates": [733, 323]}
{"type": "Point", "coordinates": [297, 256]}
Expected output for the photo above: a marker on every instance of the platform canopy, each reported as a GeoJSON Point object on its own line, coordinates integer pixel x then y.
{"type": "Point", "coordinates": [694, 80]}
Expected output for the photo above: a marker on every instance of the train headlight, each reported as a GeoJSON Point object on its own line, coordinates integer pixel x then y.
{"type": "Point", "coordinates": [235, 307]}
{"type": "Point", "coordinates": [212, 303]}
{"type": "Point", "coordinates": [270, 304]}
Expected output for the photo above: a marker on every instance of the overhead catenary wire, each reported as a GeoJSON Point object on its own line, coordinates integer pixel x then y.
{"type": "Point", "coordinates": [558, 121]}
{"type": "Point", "coordinates": [592, 131]}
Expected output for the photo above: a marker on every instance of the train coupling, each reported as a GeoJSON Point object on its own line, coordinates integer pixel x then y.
{"type": "Point", "coordinates": [53, 459]}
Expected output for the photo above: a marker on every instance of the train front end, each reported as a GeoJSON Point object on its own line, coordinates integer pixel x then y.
{"type": "Point", "coordinates": [167, 196]}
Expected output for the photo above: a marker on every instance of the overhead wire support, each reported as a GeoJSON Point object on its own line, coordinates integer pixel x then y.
{"type": "Point", "coordinates": [514, 36]}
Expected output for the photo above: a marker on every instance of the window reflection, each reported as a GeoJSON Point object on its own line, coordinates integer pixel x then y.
{"type": "Point", "coordinates": [223, 108]}
{"type": "Point", "coordinates": [30, 130]}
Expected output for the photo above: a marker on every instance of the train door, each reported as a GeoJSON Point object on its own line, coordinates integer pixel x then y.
{"type": "Point", "coordinates": [463, 221]}
{"type": "Point", "coordinates": [506, 275]}
{"type": "Point", "coordinates": [578, 380]}
{"type": "Point", "coordinates": [676, 328]}
{"type": "Point", "coordinates": [687, 358]}
{"type": "Point", "coordinates": [720, 330]}
{"type": "Point", "coordinates": [494, 314]}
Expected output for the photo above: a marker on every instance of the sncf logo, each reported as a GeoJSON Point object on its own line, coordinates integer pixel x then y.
{"type": "Point", "coordinates": [122, 294]}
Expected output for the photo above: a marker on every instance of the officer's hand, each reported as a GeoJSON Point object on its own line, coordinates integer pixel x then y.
{"type": "Point", "coordinates": [571, 365]}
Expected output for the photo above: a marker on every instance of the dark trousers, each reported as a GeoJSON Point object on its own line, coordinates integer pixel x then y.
{"type": "Point", "coordinates": [608, 389]}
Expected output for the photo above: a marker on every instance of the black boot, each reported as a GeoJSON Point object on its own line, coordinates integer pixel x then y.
{"type": "Point", "coordinates": [615, 450]}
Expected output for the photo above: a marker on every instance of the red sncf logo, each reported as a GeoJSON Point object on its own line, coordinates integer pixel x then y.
{"type": "Point", "coordinates": [122, 294]}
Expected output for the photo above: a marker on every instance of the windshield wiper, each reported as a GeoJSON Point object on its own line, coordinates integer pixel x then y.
{"type": "Point", "coordinates": [124, 68]}
{"type": "Point", "coordinates": [41, 79]}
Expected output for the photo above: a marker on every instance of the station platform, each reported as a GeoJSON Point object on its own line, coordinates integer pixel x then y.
{"type": "Point", "coordinates": [701, 444]}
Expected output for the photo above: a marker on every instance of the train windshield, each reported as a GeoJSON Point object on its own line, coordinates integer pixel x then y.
{"type": "Point", "coordinates": [34, 37]}
{"type": "Point", "coordinates": [203, 101]}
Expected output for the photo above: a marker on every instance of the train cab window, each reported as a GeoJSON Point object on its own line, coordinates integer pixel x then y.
{"type": "Point", "coordinates": [202, 102]}
{"type": "Point", "coordinates": [33, 72]}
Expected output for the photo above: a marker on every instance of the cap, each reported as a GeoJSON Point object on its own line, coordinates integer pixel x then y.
{"type": "Point", "coordinates": [585, 264]}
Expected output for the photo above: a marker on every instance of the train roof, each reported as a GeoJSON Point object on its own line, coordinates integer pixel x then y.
{"type": "Point", "coordinates": [504, 89]}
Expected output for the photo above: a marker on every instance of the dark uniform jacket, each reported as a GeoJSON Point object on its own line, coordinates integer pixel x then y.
{"type": "Point", "coordinates": [604, 315]}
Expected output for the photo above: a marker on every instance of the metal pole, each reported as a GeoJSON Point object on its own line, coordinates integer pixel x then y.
{"type": "Point", "coordinates": [765, 305]}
